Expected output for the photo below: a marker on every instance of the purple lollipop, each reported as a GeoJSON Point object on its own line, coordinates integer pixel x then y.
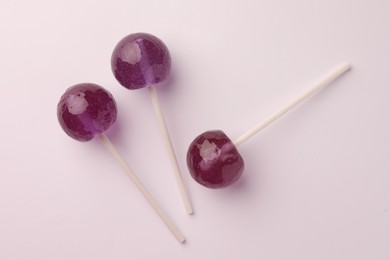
{"type": "Point", "coordinates": [85, 111]}
{"type": "Point", "coordinates": [88, 110]}
{"type": "Point", "coordinates": [213, 159]}
{"type": "Point", "coordinates": [142, 60]}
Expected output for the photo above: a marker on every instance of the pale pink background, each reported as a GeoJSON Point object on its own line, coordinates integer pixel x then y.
{"type": "Point", "coordinates": [317, 182]}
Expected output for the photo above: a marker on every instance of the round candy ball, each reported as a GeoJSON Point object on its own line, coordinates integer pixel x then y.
{"type": "Point", "coordinates": [139, 60]}
{"type": "Point", "coordinates": [214, 161]}
{"type": "Point", "coordinates": [86, 110]}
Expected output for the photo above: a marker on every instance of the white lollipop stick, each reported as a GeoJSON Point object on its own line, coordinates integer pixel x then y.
{"type": "Point", "coordinates": [340, 70]}
{"type": "Point", "coordinates": [168, 222]}
{"type": "Point", "coordinates": [172, 155]}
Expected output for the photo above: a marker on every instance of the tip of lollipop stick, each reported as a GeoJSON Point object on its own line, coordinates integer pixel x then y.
{"type": "Point", "coordinates": [190, 211]}
{"type": "Point", "coordinates": [347, 66]}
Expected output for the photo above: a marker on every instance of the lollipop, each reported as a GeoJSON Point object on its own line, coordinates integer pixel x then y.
{"type": "Point", "coordinates": [142, 60]}
{"type": "Point", "coordinates": [213, 159]}
{"type": "Point", "coordinates": [88, 110]}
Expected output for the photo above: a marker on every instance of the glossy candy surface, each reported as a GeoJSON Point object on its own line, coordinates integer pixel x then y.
{"type": "Point", "coordinates": [213, 160]}
{"type": "Point", "coordinates": [139, 60]}
{"type": "Point", "coordinates": [86, 110]}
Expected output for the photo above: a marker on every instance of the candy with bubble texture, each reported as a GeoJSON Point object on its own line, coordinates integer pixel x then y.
{"type": "Point", "coordinates": [213, 160]}
{"type": "Point", "coordinates": [139, 60]}
{"type": "Point", "coordinates": [86, 110]}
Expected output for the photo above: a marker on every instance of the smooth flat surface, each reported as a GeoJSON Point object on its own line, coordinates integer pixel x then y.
{"type": "Point", "coordinates": [316, 184]}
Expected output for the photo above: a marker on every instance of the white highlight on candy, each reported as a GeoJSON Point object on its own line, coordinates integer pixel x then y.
{"type": "Point", "coordinates": [76, 103]}
{"type": "Point", "coordinates": [132, 53]}
{"type": "Point", "coordinates": [209, 151]}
